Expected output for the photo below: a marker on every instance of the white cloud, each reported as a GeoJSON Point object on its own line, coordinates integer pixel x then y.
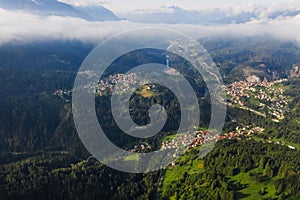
{"type": "Point", "coordinates": [85, 2]}
{"type": "Point", "coordinates": [163, 9]}
{"type": "Point", "coordinates": [282, 29]}
{"type": "Point", "coordinates": [22, 27]}
{"type": "Point", "coordinates": [19, 27]}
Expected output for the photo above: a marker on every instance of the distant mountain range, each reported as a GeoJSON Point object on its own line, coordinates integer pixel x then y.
{"type": "Point", "coordinates": [177, 15]}
{"type": "Point", "coordinates": [169, 15]}
{"type": "Point", "coordinates": [54, 7]}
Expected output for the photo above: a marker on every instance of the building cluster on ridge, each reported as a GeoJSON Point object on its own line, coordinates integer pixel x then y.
{"type": "Point", "coordinates": [273, 99]}
{"type": "Point", "coordinates": [117, 82]}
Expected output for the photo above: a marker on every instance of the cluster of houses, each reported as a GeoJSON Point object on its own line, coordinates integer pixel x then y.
{"type": "Point", "coordinates": [279, 104]}
{"type": "Point", "coordinates": [189, 140]}
{"type": "Point", "coordinates": [273, 99]}
{"type": "Point", "coordinates": [141, 147]}
{"type": "Point", "coordinates": [196, 138]}
{"type": "Point", "coordinates": [64, 94]}
{"type": "Point", "coordinates": [117, 82]}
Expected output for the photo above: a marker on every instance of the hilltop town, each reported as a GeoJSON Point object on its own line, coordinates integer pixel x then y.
{"type": "Point", "coordinates": [262, 98]}
{"type": "Point", "coordinates": [117, 82]}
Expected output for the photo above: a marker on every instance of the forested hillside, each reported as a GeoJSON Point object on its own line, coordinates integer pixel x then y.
{"type": "Point", "coordinates": [42, 155]}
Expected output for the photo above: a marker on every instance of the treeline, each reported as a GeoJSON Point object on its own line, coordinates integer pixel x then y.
{"type": "Point", "coordinates": [55, 177]}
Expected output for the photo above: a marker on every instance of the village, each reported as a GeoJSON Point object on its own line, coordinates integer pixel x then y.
{"type": "Point", "coordinates": [191, 140]}
{"type": "Point", "coordinates": [266, 97]}
{"type": "Point", "coordinates": [64, 94]}
{"type": "Point", "coordinates": [117, 82]}
{"type": "Point", "coordinates": [188, 141]}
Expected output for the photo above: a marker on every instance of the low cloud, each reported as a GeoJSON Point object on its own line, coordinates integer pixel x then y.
{"type": "Point", "coordinates": [287, 28]}
{"type": "Point", "coordinates": [23, 27]}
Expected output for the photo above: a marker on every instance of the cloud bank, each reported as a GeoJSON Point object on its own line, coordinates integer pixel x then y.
{"type": "Point", "coordinates": [24, 27]}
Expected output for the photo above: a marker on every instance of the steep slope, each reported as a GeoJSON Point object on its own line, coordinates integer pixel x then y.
{"type": "Point", "coordinates": [54, 7]}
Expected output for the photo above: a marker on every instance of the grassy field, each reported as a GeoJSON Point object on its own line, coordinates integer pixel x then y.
{"type": "Point", "coordinates": [253, 187]}
{"type": "Point", "coordinates": [131, 158]}
{"type": "Point", "coordinates": [192, 165]}
{"type": "Point", "coordinates": [146, 92]}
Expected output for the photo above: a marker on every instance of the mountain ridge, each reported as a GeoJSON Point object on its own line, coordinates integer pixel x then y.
{"type": "Point", "coordinates": [57, 8]}
{"type": "Point", "coordinates": [177, 15]}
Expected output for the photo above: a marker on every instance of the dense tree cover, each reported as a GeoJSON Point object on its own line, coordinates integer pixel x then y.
{"type": "Point", "coordinates": [265, 164]}
{"type": "Point", "coordinates": [59, 175]}
{"type": "Point", "coordinates": [53, 176]}
{"type": "Point", "coordinates": [31, 117]}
